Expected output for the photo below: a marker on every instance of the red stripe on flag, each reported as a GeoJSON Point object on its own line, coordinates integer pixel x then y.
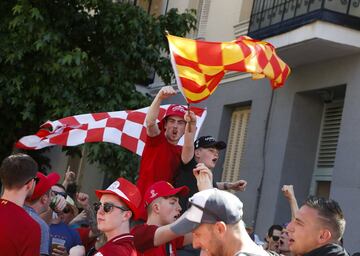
{"type": "Point", "coordinates": [238, 66]}
{"type": "Point", "coordinates": [215, 81]}
{"type": "Point", "coordinates": [192, 86]}
{"type": "Point", "coordinates": [275, 65]}
{"type": "Point", "coordinates": [143, 134]}
{"type": "Point", "coordinates": [245, 49]}
{"type": "Point", "coordinates": [209, 53]}
{"type": "Point", "coordinates": [261, 57]}
{"type": "Point", "coordinates": [187, 63]}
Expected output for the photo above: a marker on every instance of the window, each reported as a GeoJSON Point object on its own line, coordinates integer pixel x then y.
{"type": "Point", "coordinates": [236, 144]}
{"type": "Point", "coordinates": [326, 153]}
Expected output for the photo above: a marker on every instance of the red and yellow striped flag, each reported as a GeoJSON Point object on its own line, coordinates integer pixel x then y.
{"type": "Point", "coordinates": [199, 66]}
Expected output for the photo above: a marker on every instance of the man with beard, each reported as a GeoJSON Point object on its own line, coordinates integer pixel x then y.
{"type": "Point", "coordinates": [161, 156]}
{"type": "Point", "coordinates": [215, 219]}
{"type": "Point", "coordinates": [317, 228]}
{"type": "Point", "coordinates": [20, 234]}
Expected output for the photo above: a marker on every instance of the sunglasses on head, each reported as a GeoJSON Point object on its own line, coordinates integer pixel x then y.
{"type": "Point", "coordinates": [108, 207]}
{"type": "Point", "coordinates": [63, 194]}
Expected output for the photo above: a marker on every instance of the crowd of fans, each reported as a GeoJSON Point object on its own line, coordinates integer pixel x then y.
{"type": "Point", "coordinates": [197, 216]}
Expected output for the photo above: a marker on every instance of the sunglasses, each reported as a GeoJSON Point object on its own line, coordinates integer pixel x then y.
{"type": "Point", "coordinates": [36, 179]}
{"type": "Point", "coordinates": [275, 238]}
{"type": "Point", "coordinates": [108, 207]}
{"type": "Point", "coordinates": [66, 210]}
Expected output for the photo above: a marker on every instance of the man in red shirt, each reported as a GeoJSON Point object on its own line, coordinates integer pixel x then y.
{"type": "Point", "coordinates": [161, 156]}
{"type": "Point", "coordinates": [162, 205]}
{"type": "Point", "coordinates": [155, 238]}
{"type": "Point", "coordinates": [20, 234]}
{"type": "Point", "coordinates": [118, 204]}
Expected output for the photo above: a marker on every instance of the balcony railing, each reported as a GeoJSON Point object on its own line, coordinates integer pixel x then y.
{"type": "Point", "coordinates": [272, 17]}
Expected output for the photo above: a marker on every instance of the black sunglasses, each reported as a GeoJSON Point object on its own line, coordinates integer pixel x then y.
{"type": "Point", "coordinates": [66, 210]}
{"type": "Point", "coordinates": [275, 238]}
{"type": "Point", "coordinates": [108, 207]}
{"type": "Point", "coordinates": [36, 179]}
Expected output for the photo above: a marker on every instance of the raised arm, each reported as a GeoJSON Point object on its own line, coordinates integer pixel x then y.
{"type": "Point", "coordinates": [187, 152]}
{"type": "Point", "coordinates": [288, 191]}
{"type": "Point", "coordinates": [239, 185]}
{"type": "Point", "coordinates": [152, 128]}
{"type": "Point", "coordinates": [204, 177]}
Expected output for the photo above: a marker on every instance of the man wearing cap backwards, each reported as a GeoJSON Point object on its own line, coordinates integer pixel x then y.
{"type": "Point", "coordinates": [215, 219]}
{"type": "Point", "coordinates": [205, 150]}
{"type": "Point", "coordinates": [118, 204]}
{"type": "Point", "coordinates": [39, 203]}
{"type": "Point", "coordinates": [20, 234]}
{"type": "Point", "coordinates": [161, 156]}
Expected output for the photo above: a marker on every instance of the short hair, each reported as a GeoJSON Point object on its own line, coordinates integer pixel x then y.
{"type": "Point", "coordinates": [16, 170]}
{"type": "Point", "coordinates": [274, 227]}
{"type": "Point", "coordinates": [330, 214]}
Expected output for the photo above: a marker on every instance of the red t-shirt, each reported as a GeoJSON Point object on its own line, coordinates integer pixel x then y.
{"type": "Point", "coordinates": [144, 242]}
{"type": "Point", "coordinates": [122, 245]}
{"type": "Point", "coordinates": [86, 241]}
{"type": "Point", "coordinates": [19, 233]}
{"type": "Point", "coordinates": [160, 161]}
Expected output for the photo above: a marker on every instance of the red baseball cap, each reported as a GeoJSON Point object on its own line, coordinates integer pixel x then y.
{"type": "Point", "coordinates": [45, 183]}
{"type": "Point", "coordinates": [126, 191]}
{"type": "Point", "coordinates": [163, 189]}
{"type": "Point", "coordinates": [175, 110]}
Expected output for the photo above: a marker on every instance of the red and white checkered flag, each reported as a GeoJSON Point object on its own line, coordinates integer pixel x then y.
{"type": "Point", "coordinates": [125, 128]}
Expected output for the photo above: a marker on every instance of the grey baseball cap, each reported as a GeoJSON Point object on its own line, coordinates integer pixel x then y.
{"type": "Point", "coordinates": [209, 206]}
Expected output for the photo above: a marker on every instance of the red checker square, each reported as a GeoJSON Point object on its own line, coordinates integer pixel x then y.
{"type": "Point", "coordinates": [115, 122]}
{"type": "Point", "coordinates": [129, 142]}
{"type": "Point", "coordinates": [136, 117]}
{"type": "Point", "coordinates": [95, 135]}
{"type": "Point", "coordinates": [100, 116]}
{"type": "Point", "coordinates": [209, 53]}
{"type": "Point", "coordinates": [143, 134]}
{"type": "Point", "coordinates": [70, 120]}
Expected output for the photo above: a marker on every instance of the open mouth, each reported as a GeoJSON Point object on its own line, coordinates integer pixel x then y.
{"type": "Point", "coordinates": [214, 160]}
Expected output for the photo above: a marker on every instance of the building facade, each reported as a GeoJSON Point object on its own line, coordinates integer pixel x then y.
{"type": "Point", "coordinates": [303, 133]}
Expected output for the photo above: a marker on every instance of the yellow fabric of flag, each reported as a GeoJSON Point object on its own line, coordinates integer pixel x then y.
{"type": "Point", "coordinates": [199, 66]}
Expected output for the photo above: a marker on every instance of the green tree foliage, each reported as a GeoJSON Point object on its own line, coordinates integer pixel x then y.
{"type": "Point", "coordinates": [66, 57]}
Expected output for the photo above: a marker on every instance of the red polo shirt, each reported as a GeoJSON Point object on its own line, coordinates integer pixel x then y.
{"type": "Point", "coordinates": [19, 233]}
{"type": "Point", "coordinates": [119, 245]}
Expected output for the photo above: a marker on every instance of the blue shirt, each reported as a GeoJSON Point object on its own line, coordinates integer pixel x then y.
{"type": "Point", "coordinates": [44, 227]}
{"type": "Point", "coordinates": [63, 231]}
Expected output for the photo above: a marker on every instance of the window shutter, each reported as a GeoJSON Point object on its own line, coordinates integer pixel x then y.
{"type": "Point", "coordinates": [236, 144]}
{"type": "Point", "coordinates": [204, 7]}
{"type": "Point", "coordinates": [330, 129]}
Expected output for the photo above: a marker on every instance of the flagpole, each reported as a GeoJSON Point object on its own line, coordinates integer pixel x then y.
{"type": "Point", "coordinates": [189, 122]}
